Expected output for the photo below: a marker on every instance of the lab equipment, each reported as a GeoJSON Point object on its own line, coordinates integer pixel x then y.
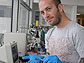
{"type": "Point", "coordinates": [52, 59]}
{"type": "Point", "coordinates": [9, 53]}
{"type": "Point", "coordinates": [33, 58]}
{"type": "Point", "coordinates": [20, 38]}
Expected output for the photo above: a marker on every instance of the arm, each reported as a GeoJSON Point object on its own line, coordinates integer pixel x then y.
{"type": "Point", "coordinates": [52, 59]}
{"type": "Point", "coordinates": [80, 45]}
{"type": "Point", "coordinates": [82, 60]}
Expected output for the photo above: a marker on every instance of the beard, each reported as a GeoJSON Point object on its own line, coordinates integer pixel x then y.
{"type": "Point", "coordinates": [58, 19]}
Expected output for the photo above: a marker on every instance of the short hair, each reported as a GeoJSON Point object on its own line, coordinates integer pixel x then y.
{"type": "Point", "coordinates": [56, 2]}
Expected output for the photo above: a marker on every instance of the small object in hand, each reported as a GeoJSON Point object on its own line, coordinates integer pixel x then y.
{"type": "Point", "coordinates": [35, 58]}
{"type": "Point", "coordinates": [39, 58]}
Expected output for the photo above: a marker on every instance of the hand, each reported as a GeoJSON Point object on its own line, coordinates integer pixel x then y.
{"type": "Point", "coordinates": [52, 59]}
{"type": "Point", "coordinates": [33, 58]}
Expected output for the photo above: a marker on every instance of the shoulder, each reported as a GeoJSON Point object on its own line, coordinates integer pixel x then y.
{"type": "Point", "coordinates": [77, 32]}
{"type": "Point", "coordinates": [75, 27]}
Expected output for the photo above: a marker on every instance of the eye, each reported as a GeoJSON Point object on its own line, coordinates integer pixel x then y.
{"type": "Point", "coordinates": [42, 12]}
{"type": "Point", "coordinates": [48, 9]}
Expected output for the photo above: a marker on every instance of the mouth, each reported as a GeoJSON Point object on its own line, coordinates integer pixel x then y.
{"type": "Point", "coordinates": [49, 20]}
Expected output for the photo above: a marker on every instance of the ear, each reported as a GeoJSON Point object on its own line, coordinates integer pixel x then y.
{"type": "Point", "coordinates": [60, 7]}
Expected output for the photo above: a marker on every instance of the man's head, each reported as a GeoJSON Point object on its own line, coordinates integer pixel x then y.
{"type": "Point", "coordinates": [51, 11]}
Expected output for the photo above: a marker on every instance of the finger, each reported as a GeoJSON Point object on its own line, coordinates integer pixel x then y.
{"type": "Point", "coordinates": [42, 57]}
{"type": "Point", "coordinates": [26, 57]}
{"type": "Point", "coordinates": [33, 61]}
{"type": "Point", "coordinates": [45, 60]}
{"type": "Point", "coordinates": [28, 62]}
{"type": "Point", "coordinates": [49, 62]}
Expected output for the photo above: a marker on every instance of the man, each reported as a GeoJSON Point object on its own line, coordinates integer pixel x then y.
{"type": "Point", "coordinates": [65, 40]}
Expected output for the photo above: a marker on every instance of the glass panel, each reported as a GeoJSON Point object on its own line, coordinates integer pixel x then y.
{"type": "Point", "coordinates": [5, 11]}
{"type": "Point", "coordinates": [23, 25]}
{"type": "Point", "coordinates": [27, 2]}
{"type": "Point", "coordinates": [5, 16]}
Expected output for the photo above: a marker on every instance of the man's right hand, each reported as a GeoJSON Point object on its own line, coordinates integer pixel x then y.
{"type": "Point", "coordinates": [52, 59]}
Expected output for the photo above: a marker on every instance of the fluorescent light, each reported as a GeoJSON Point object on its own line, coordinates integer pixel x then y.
{"type": "Point", "coordinates": [77, 14]}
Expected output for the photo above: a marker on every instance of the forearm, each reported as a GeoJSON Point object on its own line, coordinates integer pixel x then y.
{"type": "Point", "coordinates": [81, 61]}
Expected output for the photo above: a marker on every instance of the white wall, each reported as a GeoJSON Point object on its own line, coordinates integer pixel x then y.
{"type": "Point", "coordinates": [73, 2]}
{"type": "Point", "coordinates": [80, 9]}
{"type": "Point", "coordinates": [70, 11]}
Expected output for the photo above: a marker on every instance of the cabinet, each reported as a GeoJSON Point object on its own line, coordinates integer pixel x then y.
{"type": "Point", "coordinates": [80, 19]}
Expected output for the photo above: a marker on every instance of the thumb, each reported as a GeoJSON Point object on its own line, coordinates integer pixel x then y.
{"type": "Point", "coordinates": [42, 57]}
{"type": "Point", "coordinates": [28, 62]}
{"type": "Point", "coordinates": [26, 57]}
{"type": "Point", "coordinates": [45, 60]}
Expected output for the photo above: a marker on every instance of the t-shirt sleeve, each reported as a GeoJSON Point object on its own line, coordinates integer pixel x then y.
{"type": "Point", "coordinates": [80, 43]}
{"type": "Point", "coordinates": [47, 35]}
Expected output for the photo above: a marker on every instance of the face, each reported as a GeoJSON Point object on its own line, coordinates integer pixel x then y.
{"type": "Point", "coordinates": [50, 12]}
